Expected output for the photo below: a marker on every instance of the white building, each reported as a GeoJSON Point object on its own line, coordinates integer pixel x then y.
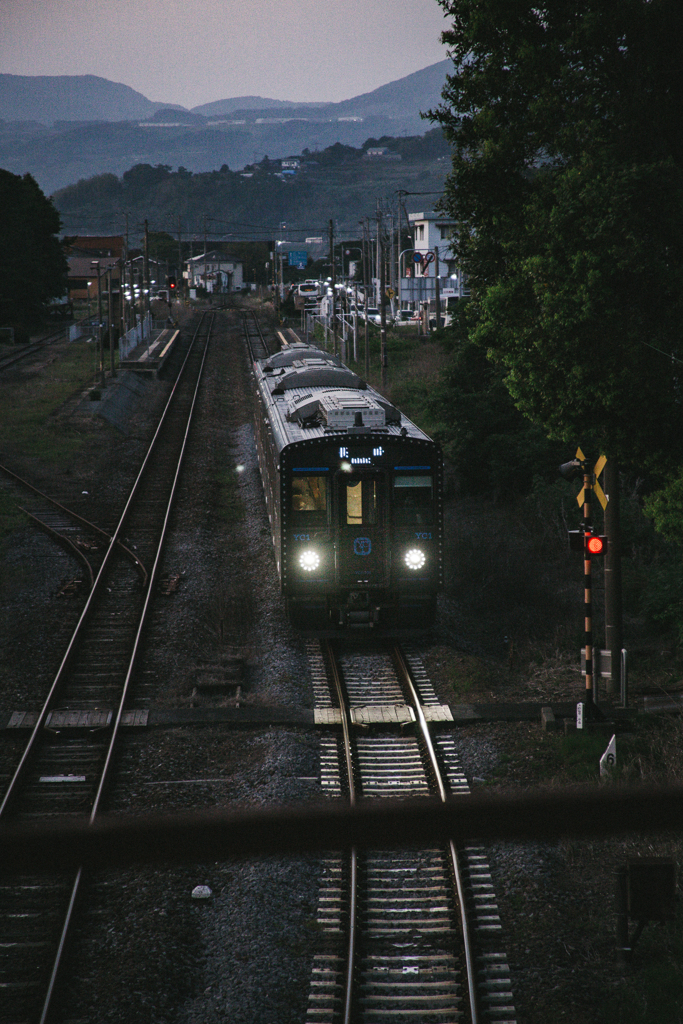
{"type": "Point", "coordinates": [215, 271]}
{"type": "Point", "coordinates": [431, 231]}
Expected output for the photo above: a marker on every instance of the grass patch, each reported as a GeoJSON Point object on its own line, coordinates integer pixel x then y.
{"type": "Point", "coordinates": [653, 994]}
{"type": "Point", "coordinates": [650, 754]}
{"type": "Point", "coordinates": [460, 675]}
{"type": "Point", "coordinates": [10, 516]}
{"type": "Point", "coordinates": [29, 426]}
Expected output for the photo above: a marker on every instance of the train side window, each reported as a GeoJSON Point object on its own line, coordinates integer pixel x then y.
{"type": "Point", "coordinates": [413, 498]}
{"type": "Point", "coordinates": [361, 501]}
{"type": "Point", "coordinates": [308, 497]}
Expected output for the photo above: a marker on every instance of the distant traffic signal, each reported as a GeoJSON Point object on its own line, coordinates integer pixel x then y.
{"type": "Point", "coordinates": [171, 283]}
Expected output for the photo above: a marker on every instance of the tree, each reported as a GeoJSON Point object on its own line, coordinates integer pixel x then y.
{"type": "Point", "coordinates": [566, 119]}
{"type": "Point", "coordinates": [494, 447]}
{"type": "Point", "coordinates": [33, 267]}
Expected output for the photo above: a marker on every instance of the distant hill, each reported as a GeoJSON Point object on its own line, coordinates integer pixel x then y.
{"type": "Point", "coordinates": [48, 98]}
{"type": "Point", "coordinates": [63, 129]}
{"type": "Point", "coordinates": [221, 107]}
{"type": "Point", "coordinates": [416, 92]}
{"type": "Point", "coordinates": [403, 98]}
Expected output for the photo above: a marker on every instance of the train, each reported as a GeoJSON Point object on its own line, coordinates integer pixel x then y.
{"type": "Point", "coordinates": [354, 492]}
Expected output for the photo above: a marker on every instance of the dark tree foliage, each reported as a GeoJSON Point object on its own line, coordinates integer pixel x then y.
{"type": "Point", "coordinates": [566, 119]}
{"type": "Point", "coordinates": [32, 263]}
{"type": "Point", "coordinates": [144, 176]}
{"type": "Point", "coordinates": [495, 448]}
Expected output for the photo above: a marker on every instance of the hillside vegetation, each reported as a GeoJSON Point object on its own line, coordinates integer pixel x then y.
{"type": "Point", "coordinates": [339, 182]}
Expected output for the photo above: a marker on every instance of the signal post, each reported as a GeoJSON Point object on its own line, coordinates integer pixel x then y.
{"type": "Point", "coordinates": [592, 545]}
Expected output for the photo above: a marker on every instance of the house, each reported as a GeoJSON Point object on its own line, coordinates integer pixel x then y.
{"type": "Point", "coordinates": [82, 276]}
{"type": "Point", "coordinates": [380, 153]}
{"type": "Point", "coordinates": [84, 254]}
{"type": "Point", "coordinates": [431, 230]}
{"type": "Point", "coordinates": [97, 245]}
{"type": "Point", "coordinates": [215, 271]}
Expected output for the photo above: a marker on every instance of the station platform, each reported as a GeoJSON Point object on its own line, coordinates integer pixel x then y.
{"type": "Point", "coordinates": [149, 356]}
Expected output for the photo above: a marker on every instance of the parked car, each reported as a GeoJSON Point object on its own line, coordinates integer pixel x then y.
{"type": "Point", "coordinates": [374, 315]}
{"type": "Point", "coordinates": [406, 316]}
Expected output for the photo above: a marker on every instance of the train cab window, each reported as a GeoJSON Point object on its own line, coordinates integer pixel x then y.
{"type": "Point", "coordinates": [309, 498]}
{"type": "Point", "coordinates": [360, 506]}
{"type": "Point", "coordinates": [412, 498]}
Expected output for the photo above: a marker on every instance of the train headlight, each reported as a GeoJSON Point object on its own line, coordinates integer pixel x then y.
{"type": "Point", "coordinates": [309, 560]}
{"type": "Point", "coordinates": [415, 558]}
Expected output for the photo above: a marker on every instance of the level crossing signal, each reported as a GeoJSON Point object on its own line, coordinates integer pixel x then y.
{"type": "Point", "coordinates": [171, 283]}
{"type": "Point", "coordinates": [593, 544]}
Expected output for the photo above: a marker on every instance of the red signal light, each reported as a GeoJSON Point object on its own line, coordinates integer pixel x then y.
{"type": "Point", "coordinates": [595, 545]}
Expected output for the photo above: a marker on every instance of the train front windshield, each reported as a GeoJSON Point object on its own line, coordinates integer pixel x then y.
{"type": "Point", "coordinates": [413, 499]}
{"type": "Point", "coordinates": [309, 499]}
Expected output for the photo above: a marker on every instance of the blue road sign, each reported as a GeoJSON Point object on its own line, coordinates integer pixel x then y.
{"type": "Point", "coordinates": [298, 259]}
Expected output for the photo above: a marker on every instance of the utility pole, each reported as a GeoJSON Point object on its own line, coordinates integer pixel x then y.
{"type": "Point", "coordinates": [334, 290]}
{"type": "Point", "coordinates": [378, 217]}
{"type": "Point", "coordinates": [122, 299]}
{"type": "Point", "coordinates": [111, 323]}
{"type": "Point", "coordinates": [366, 285]}
{"type": "Point", "coordinates": [205, 274]}
{"type": "Point", "coordinates": [613, 606]}
{"type": "Point", "coordinates": [100, 353]}
{"type": "Point", "coordinates": [437, 288]}
{"type": "Point", "coordinates": [145, 300]}
{"type": "Point", "coordinates": [382, 301]}
{"type": "Point", "coordinates": [180, 262]}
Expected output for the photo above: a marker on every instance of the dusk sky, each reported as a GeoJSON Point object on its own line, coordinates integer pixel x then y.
{"type": "Point", "coordinates": [176, 51]}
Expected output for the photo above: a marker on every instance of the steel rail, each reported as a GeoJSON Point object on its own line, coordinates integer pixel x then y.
{"type": "Point", "coordinates": [87, 609]}
{"type": "Point", "coordinates": [331, 659]}
{"type": "Point", "coordinates": [61, 539]}
{"type": "Point", "coordinates": [33, 346]}
{"type": "Point", "coordinates": [406, 678]}
{"type": "Point", "coordinates": [250, 317]}
{"type": "Point", "coordinates": [131, 667]}
{"type": "Point", "coordinates": [77, 518]}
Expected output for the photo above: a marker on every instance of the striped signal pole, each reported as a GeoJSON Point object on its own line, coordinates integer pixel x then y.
{"type": "Point", "coordinates": [592, 545]}
{"type": "Point", "coordinates": [587, 577]}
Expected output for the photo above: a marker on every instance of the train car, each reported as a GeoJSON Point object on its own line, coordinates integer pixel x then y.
{"type": "Point", "coordinates": [354, 492]}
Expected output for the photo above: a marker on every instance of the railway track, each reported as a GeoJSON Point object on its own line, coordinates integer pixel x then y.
{"type": "Point", "coordinates": [83, 540]}
{"type": "Point", "coordinates": [66, 764]}
{"type": "Point", "coordinates": [253, 335]}
{"type": "Point", "coordinates": [411, 936]}
{"type": "Point", "coordinates": [23, 351]}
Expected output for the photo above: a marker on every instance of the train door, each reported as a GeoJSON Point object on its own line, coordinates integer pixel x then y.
{"type": "Point", "coordinates": [361, 545]}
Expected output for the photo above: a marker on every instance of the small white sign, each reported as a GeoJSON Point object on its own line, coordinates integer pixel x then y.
{"type": "Point", "coordinates": [609, 758]}
{"type": "Point", "coordinates": [579, 716]}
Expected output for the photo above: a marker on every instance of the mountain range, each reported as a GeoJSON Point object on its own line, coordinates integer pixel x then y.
{"type": "Point", "coordinates": [64, 128]}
